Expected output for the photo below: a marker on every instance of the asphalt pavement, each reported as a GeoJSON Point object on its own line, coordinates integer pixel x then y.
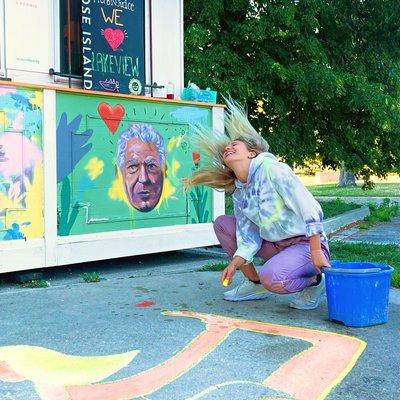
{"type": "Point", "coordinates": [155, 328]}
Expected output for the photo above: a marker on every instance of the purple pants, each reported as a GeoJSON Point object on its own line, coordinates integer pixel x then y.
{"type": "Point", "coordinates": [288, 268]}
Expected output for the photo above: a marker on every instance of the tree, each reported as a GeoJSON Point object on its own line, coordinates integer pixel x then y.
{"type": "Point", "coordinates": [321, 78]}
{"type": "Point", "coordinates": [346, 178]}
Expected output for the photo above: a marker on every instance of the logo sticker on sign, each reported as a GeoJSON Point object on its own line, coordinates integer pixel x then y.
{"type": "Point", "coordinates": [135, 87]}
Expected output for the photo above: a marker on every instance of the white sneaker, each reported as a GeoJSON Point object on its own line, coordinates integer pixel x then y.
{"type": "Point", "coordinates": [309, 298]}
{"type": "Point", "coordinates": [247, 290]}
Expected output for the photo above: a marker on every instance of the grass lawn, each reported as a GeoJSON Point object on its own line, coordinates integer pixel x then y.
{"type": "Point", "coordinates": [379, 190]}
{"type": "Point", "coordinates": [383, 253]}
{"type": "Point", "coordinates": [330, 208]}
{"type": "Point", "coordinates": [336, 207]}
{"type": "Point", "coordinates": [216, 267]}
{"type": "Point", "coordinates": [382, 213]}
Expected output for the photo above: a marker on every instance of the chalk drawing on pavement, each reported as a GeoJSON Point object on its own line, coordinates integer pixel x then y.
{"type": "Point", "coordinates": [58, 376]}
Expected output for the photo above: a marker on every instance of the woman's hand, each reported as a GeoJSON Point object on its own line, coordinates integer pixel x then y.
{"type": "Point", "coordinates": [228, 273]}
{"type": "Point", "coordinates": [318, 259]}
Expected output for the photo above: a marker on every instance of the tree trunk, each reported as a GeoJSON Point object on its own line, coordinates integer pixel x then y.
{"type": "Point", "coordinates": [346, 178]}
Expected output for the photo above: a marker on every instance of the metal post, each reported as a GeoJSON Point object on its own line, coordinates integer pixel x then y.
{"type": "Point", "coordinates": [151, 47]}
{"type": "Point", "coordinates": [69, 42]}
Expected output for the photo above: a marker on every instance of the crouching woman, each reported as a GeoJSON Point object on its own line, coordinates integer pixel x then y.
{"type": "Point", "coordinates": [275, 216]}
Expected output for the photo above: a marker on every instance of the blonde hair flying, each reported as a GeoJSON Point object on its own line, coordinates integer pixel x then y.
{"type": "Point", "coordinates": [214, 172]}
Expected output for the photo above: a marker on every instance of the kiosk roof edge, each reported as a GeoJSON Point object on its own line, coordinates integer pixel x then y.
{"type": "Point", "coordinates": [100, 93]}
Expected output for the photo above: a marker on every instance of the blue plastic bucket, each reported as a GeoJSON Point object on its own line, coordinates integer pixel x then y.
{"type": "Point", "coordinates": [358, 292]}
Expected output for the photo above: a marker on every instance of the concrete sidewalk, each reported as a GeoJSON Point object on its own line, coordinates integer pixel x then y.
{"type": "Point", "coordinates": [192, 344]}
{"type": "Point", "coordinates": [384, 233]}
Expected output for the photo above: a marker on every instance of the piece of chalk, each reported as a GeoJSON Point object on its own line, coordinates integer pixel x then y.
{"type": "Point", "coordinates": [225, 282]}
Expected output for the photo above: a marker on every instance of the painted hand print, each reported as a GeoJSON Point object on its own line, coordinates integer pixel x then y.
{"type": "Point", "coordinates": [21, 164]}
{"type": "Point", "coordinates": [69, 138]}
{"type": "Point", "coordinates": [59, 376]}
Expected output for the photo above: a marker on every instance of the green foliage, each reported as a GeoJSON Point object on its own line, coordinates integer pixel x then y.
{"type": "Point", "coordinates": [198, 195]}
{"type": "Point", "coordinates": [321, 78]}
{"type": "Point", "coordinates": [363, 226]}
{"type": "Point", "coordinates": [213, 267]}
{"type": "Point", "coordinates": [66, 219]}
{"type": "Point", "coordinates": [228, 204]}
{"type": "Point", "coordinates": [91, 277]}
{"type": "Point", "coordinates": [381, 213]}
{"type": "Point", "coordinates": [383, 253]}
{"type": "Point", "coordinates": [379, 190]}
{"type": "Point", "coordinates": [36, 283]}
{"type": "Point", "coordinates": [336, 207]}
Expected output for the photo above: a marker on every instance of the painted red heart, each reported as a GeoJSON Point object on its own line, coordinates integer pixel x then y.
{"type": "Point", "coordinates": [111, 115]}
{"type": "Point", "coordinates": [114, 37]}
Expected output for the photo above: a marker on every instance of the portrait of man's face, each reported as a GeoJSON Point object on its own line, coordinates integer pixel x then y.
{"type": "Point", "coordinates": [143, 174]}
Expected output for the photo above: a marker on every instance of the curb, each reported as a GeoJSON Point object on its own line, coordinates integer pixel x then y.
{"type": "Point", "coordinates": [330, 225]}
{"type": "Point", "coordinates": [212, 252]}
{"type": "Point", "coordinates": [333, 224]}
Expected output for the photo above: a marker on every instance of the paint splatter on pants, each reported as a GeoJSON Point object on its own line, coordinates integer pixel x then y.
{"type": "Point", "coordinates": [288, 268]}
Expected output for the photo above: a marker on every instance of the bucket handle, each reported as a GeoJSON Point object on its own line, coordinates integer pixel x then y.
{"type": "Point", "coordinates": [352, 270]}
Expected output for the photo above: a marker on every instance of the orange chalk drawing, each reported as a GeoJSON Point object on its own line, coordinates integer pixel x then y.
{"type": "Point", "coordinates": [330, 358]}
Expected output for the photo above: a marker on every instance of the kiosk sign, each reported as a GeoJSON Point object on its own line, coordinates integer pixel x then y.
{"type": "Point", "coordinates": [113, 45]}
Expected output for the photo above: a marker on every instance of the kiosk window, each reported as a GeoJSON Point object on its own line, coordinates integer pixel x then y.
{"type": "Point", "coordinates": [70, 37]}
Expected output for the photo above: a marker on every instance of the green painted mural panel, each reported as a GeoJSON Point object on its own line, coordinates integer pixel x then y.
{"type": "Point", "coordinates": [120, 163]}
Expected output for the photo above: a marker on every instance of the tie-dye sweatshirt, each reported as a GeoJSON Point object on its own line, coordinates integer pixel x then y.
{"type": "Point", "coordinates": [273, 205]}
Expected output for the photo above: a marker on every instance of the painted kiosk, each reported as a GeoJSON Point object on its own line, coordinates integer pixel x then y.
{"type": "Point", "coordinates": [88, 175]}
{"type": "Point", "coordinates": [65, 193]}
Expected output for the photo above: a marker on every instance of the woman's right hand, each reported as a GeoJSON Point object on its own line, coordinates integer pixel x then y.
{"type": "Point", "coordinates": [228, 273]}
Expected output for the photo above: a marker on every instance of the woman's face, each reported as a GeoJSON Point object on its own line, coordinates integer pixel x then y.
{"type": "Point", "coordinates": [236, 152]}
